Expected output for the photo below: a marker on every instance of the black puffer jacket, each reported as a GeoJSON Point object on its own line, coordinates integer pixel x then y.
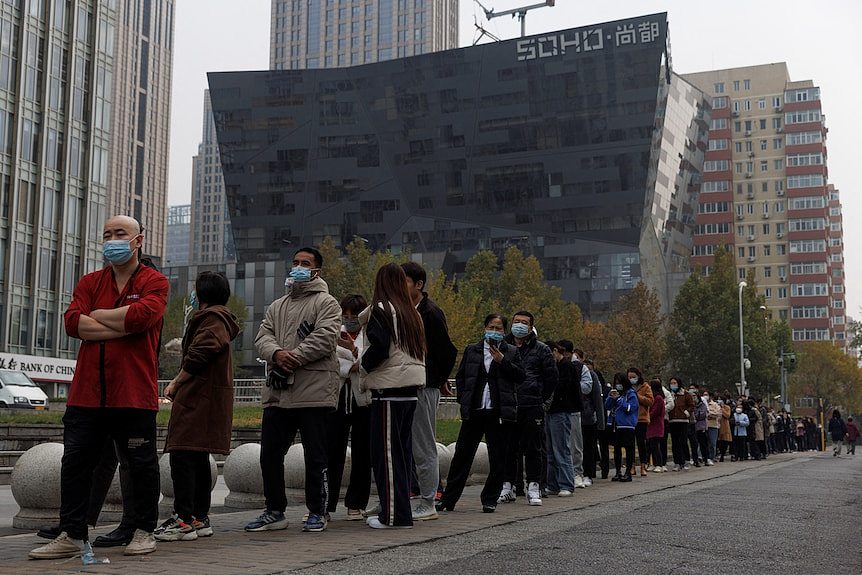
{"type": "Point", "coordinates": [503, 380]}
{"type": "Point", "coordinates": [541, 369]}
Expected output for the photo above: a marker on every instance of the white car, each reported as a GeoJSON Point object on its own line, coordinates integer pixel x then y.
{"type": "Point", "coordinates": [17, 390]}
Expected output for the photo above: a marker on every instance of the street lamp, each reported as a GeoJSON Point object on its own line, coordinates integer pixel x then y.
{"type": "Point", "coordinates": [742, 285]}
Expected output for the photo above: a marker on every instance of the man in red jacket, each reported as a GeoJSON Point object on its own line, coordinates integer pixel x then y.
{"type": "Point", "coordinates": [116, 312]}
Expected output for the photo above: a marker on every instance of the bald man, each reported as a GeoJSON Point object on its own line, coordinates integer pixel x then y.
{"type": "Point", "coordinates": [117, 313]}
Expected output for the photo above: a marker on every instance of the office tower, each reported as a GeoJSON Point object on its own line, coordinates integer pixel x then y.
{"type": "Point", "coordinates": [582, 148]}
{"type": "Point", "coordinates": [140, 116]}
{"type": "Point", "coordinates": [765, 196]}
{"type": "Point", "coordinates": [339, 33]}
{"type": "Point", "coordinates": [178, 235]}
{"type": "Point", "coordinates": [56, 64]}
{"type": "Point", "coordinates": [212, 240]}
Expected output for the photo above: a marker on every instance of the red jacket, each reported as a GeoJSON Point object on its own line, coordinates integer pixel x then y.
{"type": "Point", "coordinates": [121, 372]}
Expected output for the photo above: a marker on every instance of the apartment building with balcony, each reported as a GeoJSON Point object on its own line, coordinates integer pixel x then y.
{"type": "Point", "coordinates": [765, 195]}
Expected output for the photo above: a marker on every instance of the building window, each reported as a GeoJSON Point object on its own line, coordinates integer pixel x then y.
{"type": "Point", "coordinates": [718, 88]}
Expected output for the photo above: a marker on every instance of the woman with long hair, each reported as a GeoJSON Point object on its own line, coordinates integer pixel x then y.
{"type": "Point", "coordinates": [645, 401]}
{"type": "Point", "coordinates": [655, 428]}
{"type": "Point", "coordinates": [683, 406]}
{"type": "Point", "coordinates": [393, 368]}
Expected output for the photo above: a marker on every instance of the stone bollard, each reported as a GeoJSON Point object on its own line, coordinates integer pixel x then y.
{"type": "Point", "coordinates": [166, 505]}
{"type": "Point", "coordinates": [36, 486]}
{"type": "Point", "coordinates": [243, 477]}
{"type": "Point", "coordinates": [444, 460]}
{"type": "Point", "coordinates": [481, 465]}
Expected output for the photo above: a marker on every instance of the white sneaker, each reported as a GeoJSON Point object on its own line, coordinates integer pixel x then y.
{"type": "Point", "coordinates": [424, 512]}
{"type": "Point", "coordinates": [709, 462]}
{"type": "Point", "coordinates": [651, 468]}
{"type": "Point", "coordinates": [676, 468]}
{"type": "Point", "coordinates": [534, 495]}
{"type": "Point", "coordinates": [564, 493]}
{"type": "Point", "coordinates": [588, 481]}
{"type": "Point", "coordinates": [60, 548]}
{"type": "Point", "coordinates": [375, 523]}
{"type": "Point", "coordinates": [141, 543]}
{"type": "Point", "coordinates": [579, 481]}
{"type": "Point", "coordinates": [507, 494]}
{"type": "Point", "coordinates": [664, 469]}
{"type": "Point", "coordinates": [686, 466]}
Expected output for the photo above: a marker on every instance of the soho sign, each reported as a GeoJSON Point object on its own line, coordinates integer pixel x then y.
{"type": "Point", "coordinates": [590, 40]}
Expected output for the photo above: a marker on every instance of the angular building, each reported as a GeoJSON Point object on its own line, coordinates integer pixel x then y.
{"type": "Point", "coordinates": [766, 198]}
{"type": "Point", "coordinates": [339, 33]}
{"type": "Point", "coordinates": [580, 146]}
{"type": "Point", "coordinates": [210, 222]}
{"type": "Point", "coordinates": [140, 116]}
{"type": "Point", "coordinates": [178, 234]}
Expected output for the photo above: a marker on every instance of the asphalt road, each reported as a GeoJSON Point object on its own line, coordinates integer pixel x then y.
{"type": "Point", "coordinates": [794, 516]}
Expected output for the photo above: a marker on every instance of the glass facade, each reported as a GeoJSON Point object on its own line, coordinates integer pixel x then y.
{"type": "Point", "coordinates": [581, 147]}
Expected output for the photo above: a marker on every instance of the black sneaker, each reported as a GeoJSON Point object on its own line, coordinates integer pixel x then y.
{"type": "Point", "coordinates": [49, 532]}
{"type": "Point", "coordinates": [489, 508]}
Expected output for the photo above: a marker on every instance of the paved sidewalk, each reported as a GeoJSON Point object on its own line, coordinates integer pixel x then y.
{"type": "Point", "coordinates": [232, 551]}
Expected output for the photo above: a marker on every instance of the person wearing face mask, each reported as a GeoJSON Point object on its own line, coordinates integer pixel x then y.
{"type": "Point", "coordinates": [117, 314]}
{"type": "Point", "coordinates": [740, 433]}
{"type": "Point", "coordinates": [712, 425]}
{"type": "Point", "coordinates": [525, 437]}
{"type": "Point", "coordinates": [683, 406]}
{"type": "Point", "coordinates": [701, 424]}
{"type": "Point", "coordinates": [558, 428]}
{"type": "Point", "coordinates": [352, 419]}
{"type": "Point", "coordinates": [622, 405]}
{"type": "Point", "coordinates": [645, 401]}
{"type": "Point", "coordinates": [755, 428]}
{"type": "Point", "coordinates": [655, 429]}
{"type": "Point", "coordinates": [298, 337]}
{"type": "Point", "coordinates": [486, 380]}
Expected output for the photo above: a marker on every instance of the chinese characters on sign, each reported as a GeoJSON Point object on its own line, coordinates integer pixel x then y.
{"type": "Point", "coordinates": [588, 40]}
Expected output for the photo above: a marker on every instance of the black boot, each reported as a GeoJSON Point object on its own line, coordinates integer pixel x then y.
{"type": "Point", "coordinates": [617, 477]}
{"type": "Point", "coordinates": [625, 478]}
{"type": "Point", "coordinates": [122, 535]}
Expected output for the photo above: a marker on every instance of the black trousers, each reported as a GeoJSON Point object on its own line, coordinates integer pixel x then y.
{"type": "Point", "coordinates": [591, 449]}
{"type": "Point", "coordinates": [86, 433]}
{"type": "Point", "coordinates": [482, 423]}
{"type": "Point", "coordinates": [392, 456]}
{"type": "Point", "coordinates": [103, 476]}
{"type": "Point", "coordinates": [678, 438]}
{"type": "Point", "coordinates": [605, 438]}
{"type": "Point", "coordinates": [692, 442]}
{"type": "Point", "coordinates": [278, 430]}
{"type": "Point", "coordinates": [740, 449]}
{"type": "Point", "coordinates": [655, 449]}
{"type": "Point", "coordinates": [664, 442]}
{"type": "Point", "coordinates": [524, 438]}
{"type": "Point", "coordinates": [190, 474]}
{"type": "Point", "coordinates": [703, 443]}
{"type": "Point", "coordinates": [624, 439]}
{"type": "Point", "coordinates": [754, 448]}
{"type": "Point", "coordinates": [355, 426]}
{"type": "Point", "coordinates": [640, 435]}
{"type": "Point", "coordinates": [722, 447]}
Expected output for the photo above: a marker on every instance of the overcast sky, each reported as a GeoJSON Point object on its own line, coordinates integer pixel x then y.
{"type": "Point", "coordinates": [817, 40]}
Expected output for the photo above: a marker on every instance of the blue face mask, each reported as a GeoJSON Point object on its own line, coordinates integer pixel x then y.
{"type": "Point", "coordinates": [520, 329]}
{"type": "Point", "coordinates": [193, 300]}
{"type": "Point", "coordinates": [494, 336]}
{"type": "Point", "coordinates": [300, 274]}
{"type": "Point", "coordinates": [117, 251]}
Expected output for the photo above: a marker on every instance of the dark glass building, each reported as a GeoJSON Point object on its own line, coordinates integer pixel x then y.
{"type": "Point", "coordinates": [581, 147]}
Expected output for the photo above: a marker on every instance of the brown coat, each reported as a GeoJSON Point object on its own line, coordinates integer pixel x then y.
{"type": "Point", "coordinates": [682, 402]}
{"type": "Point", "coordinates": [202, 411]}
{"type": "Point", "coordinates": [645, 401]}
{"type": "Point", "coordinates": [724, 425]}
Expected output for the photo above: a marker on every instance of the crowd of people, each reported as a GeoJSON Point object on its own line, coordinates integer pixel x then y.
{"type": "Point", "coordinates": [368, 375]}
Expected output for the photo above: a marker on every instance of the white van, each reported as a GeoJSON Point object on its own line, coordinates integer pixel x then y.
{"type": "Point", "coordinates": [17, 390]}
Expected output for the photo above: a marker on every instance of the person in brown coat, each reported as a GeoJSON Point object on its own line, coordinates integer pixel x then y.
{"type": "Point", "coordinates": [645, 401]}
{"type": "Point", "coordinates": [724, 437]}
{"type": "Point", "coordinates": [202, 411]}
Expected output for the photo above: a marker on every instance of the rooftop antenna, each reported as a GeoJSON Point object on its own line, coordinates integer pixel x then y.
{"type": "Point", "coordinates": [483, 32]}
{"type": "Point", "coordinates": [519, 13]}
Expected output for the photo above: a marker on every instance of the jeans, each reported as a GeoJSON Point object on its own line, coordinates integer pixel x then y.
{"type": "Point", "coordinates": [558, 433]}
{"type": "Point", "coordinates": [192, 479]}
{"type": "Point", "coordinates": [86, 433]}
{"type": "Point", "coordinates": [482, 422]}
{"type": "Point", "coordinates": [713, 441]}
{"type": "Point", "coordinates": [277, 432]}
{"type": "Point", "coordinates": [425, 443]}
{"type": "Point", "coordinates": [577, 442]}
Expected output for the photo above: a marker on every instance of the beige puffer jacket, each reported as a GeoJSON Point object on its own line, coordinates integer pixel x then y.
{"type": "Point", "coordinates": [400, 369]}
{"type": "Point", "coordinates": [306, 323]}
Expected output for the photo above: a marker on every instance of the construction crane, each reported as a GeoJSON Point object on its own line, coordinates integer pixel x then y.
{"type": "Point", "coordinates": [519, 13]}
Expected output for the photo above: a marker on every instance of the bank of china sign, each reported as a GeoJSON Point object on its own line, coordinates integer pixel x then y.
{"type": "Point", "coordinates": [39, 368]}
{"type": "Point", "coordinates": [587, 40]}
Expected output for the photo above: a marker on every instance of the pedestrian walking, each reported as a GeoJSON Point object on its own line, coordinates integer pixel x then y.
{"type": "Point", "coordinates": [202, 412]}
{"type": "Point", "coordinates": [837, 430]}
{"type": "Point", "coordinates": [393, 368]}
{"type": "Point", "coordinates": [486, 383]}
{"type": "Point", "coordinates": [852, 436]}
